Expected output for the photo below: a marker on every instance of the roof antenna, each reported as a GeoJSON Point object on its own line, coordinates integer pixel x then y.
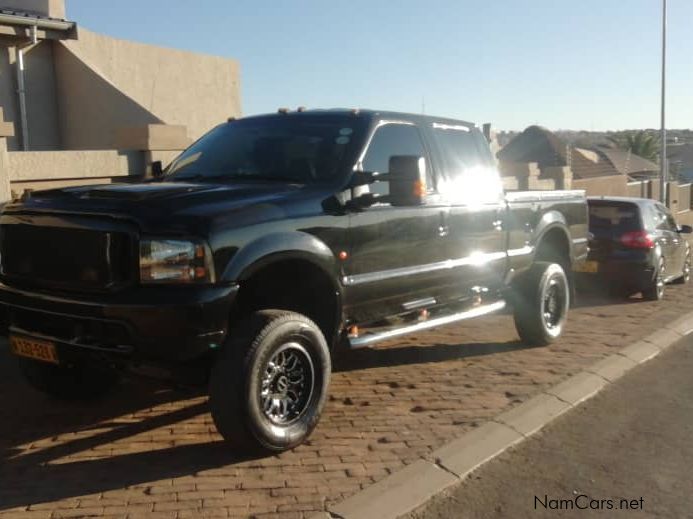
{"type": "Point", "coordinates": [423, 105]}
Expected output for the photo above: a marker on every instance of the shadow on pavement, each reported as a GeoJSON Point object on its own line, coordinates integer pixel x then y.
{"type": "Point", "coordinates": [32, 482]}
{"type": "Point", "coordinates": [413, 354]}
{"type": "Point", "coordinates": [601, 297]}
{"type": "Point", "coordinates": [36, 430]}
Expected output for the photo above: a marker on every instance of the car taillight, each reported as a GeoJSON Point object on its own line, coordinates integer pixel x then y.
{"type": "Point", "coordinates": [637, 240]}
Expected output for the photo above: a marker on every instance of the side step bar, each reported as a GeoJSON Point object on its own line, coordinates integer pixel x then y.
{"type": "Point", "coordinates": [367, 339]}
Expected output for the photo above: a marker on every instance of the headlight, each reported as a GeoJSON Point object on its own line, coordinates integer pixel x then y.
{"type": "Point", "coordinates": [175, 261]}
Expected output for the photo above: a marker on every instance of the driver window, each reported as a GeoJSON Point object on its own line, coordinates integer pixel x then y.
{"type": "Point", "coordinates": [389, 140]}
{"type": "Point", "coordinates": [666, 221]}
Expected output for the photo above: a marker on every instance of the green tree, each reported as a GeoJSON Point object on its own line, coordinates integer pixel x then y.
{"type": "Point", "coordinates": [639, 143]}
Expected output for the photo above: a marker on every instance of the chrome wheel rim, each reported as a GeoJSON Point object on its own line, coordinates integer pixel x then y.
{"type": "Point", "coordinates": [552, 304]}
{"type": "Point", "coordinates": [287, 384]}
{"type": "Point", "coordinates": [687, 266]}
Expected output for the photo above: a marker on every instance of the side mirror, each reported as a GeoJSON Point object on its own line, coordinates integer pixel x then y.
{"type": "Point", "coordinates": [407, 178]}
{"type": "Point", "coordinates": [157, 169]}
{"type": "Point", "coordinates": [685, 229]}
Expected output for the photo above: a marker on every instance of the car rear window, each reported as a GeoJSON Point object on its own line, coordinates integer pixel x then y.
{"type": "Point", "coordinates": [614, 216]}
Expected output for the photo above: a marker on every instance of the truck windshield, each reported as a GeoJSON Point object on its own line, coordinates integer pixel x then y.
{"type": "Point", "coordinates": [286, 148]}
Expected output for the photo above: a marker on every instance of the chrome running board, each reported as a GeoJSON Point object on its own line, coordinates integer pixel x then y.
{"type": "Point", "coordinates": [368, 339]}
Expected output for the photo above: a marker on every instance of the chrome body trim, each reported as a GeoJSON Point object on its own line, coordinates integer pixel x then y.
{"type": "Point", "coordinates": [418, 303]}
{"type": "Point", "coordinates": [369, 339]}
{"type": "Point", "coordinates": [382, 275]}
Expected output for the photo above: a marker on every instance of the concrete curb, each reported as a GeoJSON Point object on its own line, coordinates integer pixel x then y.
{"type": "Point", "coordinates": [413, 486]}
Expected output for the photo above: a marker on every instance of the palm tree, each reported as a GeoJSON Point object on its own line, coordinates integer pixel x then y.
{"type": "Point", "coordinates": [639, 143]}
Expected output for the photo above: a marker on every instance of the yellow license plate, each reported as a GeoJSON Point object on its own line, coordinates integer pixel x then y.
{"type": "Point", "coordinates": [34, 349]}
{"type": "Point", "coordinates": [588, 266]}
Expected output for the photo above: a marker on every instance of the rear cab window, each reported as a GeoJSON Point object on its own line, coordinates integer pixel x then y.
{"type": "Point", "coordinates": [468, 174]}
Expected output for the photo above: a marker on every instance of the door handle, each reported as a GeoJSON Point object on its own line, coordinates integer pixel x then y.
{"type": "Point", "coordinates": [498, 222]}
{"type": "Point", "coordinates": [443, 227]}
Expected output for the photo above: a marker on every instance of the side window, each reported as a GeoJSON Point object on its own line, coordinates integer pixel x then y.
{"type": "Point", "coordinates": [672, 222]}
{"type": "Point", "coordinates": [665, 221]}
{"type": "Point", "coordinates": [389, 140]}
{"type": "Point", "coordinates": [468, 175]}
{"type": "Point", "coordinates": [651, 217]}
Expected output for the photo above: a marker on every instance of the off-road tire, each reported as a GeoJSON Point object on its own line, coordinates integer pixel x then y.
{"type": "Point", "coordinates": [539, 318]}
{"type": "Point", "coordinates": [244, 365]}
{"type": "Point", "coordinates": [70, 382]}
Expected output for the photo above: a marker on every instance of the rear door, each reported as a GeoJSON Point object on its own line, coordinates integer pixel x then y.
{"type": "Point", "coordinates": [476, 241]}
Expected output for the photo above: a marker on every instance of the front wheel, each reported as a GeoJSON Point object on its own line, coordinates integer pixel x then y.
{"type": "Point", "coordinates": [269, 384]}
{"type": "Point", "coordinates": [541, 301]}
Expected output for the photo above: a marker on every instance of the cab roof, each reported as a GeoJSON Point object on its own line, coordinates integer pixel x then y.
{"type": "Point", "coordinates": [367, 114]}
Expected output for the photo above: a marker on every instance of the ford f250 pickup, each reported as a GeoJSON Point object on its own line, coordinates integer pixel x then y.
{"type": "Point", "coordinates": [271, 243]}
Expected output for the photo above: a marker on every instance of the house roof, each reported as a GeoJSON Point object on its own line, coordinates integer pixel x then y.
{"type": "Point", "coordinates": [628, 163]}
{"type": "Point", "coordinates": [537, 144]}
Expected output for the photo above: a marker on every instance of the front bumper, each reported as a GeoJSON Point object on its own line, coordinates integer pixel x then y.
{"type": "Point", "coordinates": [170, 324]}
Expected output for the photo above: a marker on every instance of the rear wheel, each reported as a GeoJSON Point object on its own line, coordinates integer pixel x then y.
{"type": "Point", "coordinates": [655, 290]}
{"type": "Point", "coordinates": [73, 382]}
{"type": "Point", "coordinates": [542, 298]}
{"type": "Point", "coordinates": [269, 385]}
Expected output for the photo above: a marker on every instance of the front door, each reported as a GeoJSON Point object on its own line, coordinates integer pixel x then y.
{"type": "Point", "coordinates": [672, 242]}
{"type": "Point", "coordinates": [396, 258]}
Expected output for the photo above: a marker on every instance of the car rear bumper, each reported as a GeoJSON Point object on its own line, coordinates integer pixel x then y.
{"type": "Point", "coordinates": [631, 274]}
{"type": "Point", "coordinates": [149, 323]}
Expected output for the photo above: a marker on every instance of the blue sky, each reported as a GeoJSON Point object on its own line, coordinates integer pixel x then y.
{"type": "Point", "coordinates": [587, 64]}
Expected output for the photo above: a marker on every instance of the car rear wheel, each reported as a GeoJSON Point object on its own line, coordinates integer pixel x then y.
{"type": "Point", "coordinates": [73, 382]}
{"type": "Point", "coordinates": [686, 272]}
{"type": "Point", "coordinates": [542, 298]}
{"type": "Point", "coordinates": [655, 290]}
{"type": "Point", "coordinates": [269, 384]}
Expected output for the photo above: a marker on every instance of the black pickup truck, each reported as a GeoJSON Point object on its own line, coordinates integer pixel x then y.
{"type": "Point", "coordinates": [271, 243]}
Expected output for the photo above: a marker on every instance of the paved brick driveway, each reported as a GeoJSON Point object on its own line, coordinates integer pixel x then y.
{"type": "Point", "coordinates": [150, 451]}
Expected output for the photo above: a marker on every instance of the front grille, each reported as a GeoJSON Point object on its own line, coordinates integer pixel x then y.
{"type": "Point", "coordinates": [67, 258]}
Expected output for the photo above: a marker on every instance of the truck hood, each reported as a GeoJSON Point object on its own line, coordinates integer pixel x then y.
{"type": "Point", "coordinates": [178, 206]}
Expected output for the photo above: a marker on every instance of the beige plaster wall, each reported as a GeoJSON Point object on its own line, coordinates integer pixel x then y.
{"type": "Point", "coordinates": [105, 83]}
{"type": "Point", "coordinates": [42, 107]}
{"type": "Point", "coordinates": [41, 100]}
{"type": "Point", "coordinates": [20, 170]}
{"type": "Point", "coordinates": [85, 164]}
{"type": "Point", "coordinates": [8, 92]}
{"type": "Point", "coordinates": [616, 185]}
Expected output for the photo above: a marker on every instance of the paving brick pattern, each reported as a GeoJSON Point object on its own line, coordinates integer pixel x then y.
{"type": "Point", "coordinates": [151, 451]}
